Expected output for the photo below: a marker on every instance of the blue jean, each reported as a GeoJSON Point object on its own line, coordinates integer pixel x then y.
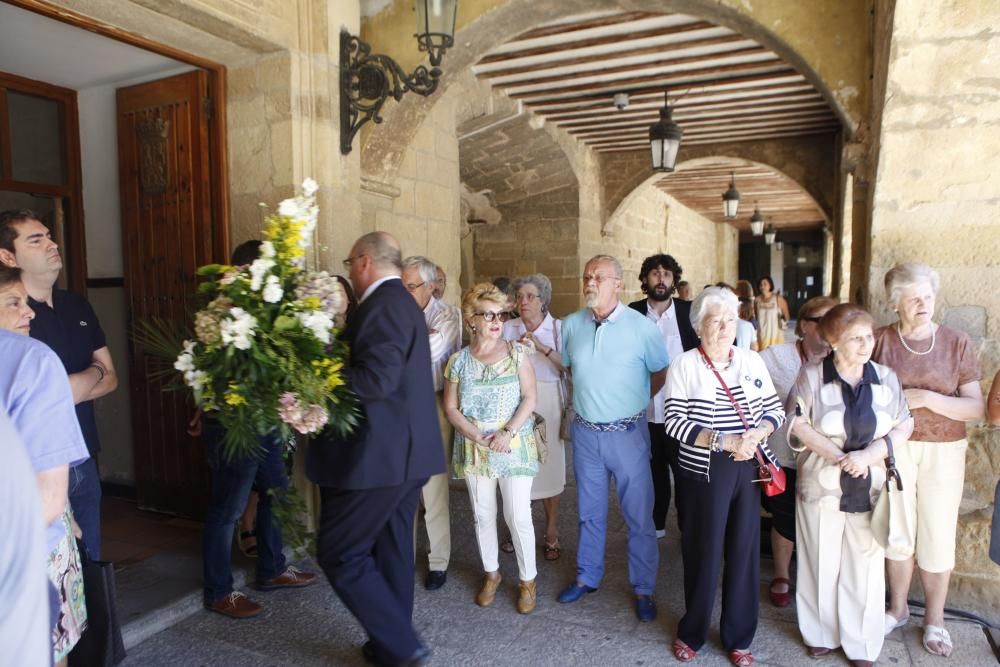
{"type": "Point", "coordinates": [625, 455]}
{"type": "Point", "coordinates": [231, 482]}
{"type": "Point", "coordinates": [85, 500]}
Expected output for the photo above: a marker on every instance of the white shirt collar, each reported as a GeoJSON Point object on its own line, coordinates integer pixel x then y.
{"type": "Point", "coordinates": [669, 313]}
{"type": "Point", "coordinates": [374, 286]}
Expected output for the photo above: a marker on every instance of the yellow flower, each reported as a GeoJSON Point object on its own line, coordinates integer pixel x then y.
{"type": "Point", "coordinates": [234, 397]}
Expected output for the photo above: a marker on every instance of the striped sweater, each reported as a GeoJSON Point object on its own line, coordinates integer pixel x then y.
{"type": "Point", "coordinates": [694, 400]}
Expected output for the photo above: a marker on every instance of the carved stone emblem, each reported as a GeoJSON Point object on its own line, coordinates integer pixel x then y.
{"type": "Point", "coordinates": [153, 154]}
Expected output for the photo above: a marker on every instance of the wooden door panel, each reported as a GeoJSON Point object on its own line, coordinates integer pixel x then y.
{"type": "Point", "coordinates": [166, 222]}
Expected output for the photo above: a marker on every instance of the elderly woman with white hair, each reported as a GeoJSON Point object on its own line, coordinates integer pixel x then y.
{"type": "Point", "coordinates": [540, 333]}
{"type": "Point", "coordinates": [722, 406]}
{"type": "Point", "coordinates": [940, 375]}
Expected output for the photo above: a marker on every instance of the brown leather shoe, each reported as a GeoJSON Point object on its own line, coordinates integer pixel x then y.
{"type": "Point", "coordinates": [526, 600]}
{"type": "Point", "coordinates": [235, 605]}
{"type": "Point", "coordinates": [819, 651]}
{"type": "Point", "coordinates": [488, 593]}
{"type": "Point", "coordinates": [292, 577]}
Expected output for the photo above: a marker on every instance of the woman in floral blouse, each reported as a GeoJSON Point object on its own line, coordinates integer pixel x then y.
{"type": "Point", "coordinates": [489, 397]}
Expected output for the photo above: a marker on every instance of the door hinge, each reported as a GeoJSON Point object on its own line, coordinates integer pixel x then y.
{"type": "Point", "coordinates": [208, 107]}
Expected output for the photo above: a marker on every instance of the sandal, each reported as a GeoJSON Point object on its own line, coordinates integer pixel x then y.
{"type": "Point", "coordinates": [782, 599]}
{"type": "Point", "coordinates": [936, 633]}
{"type": "Point", "coordinates": [552, 550]}
{"type": "Point", "coordinates": [250, 549]}
{"type": "Point", "coordinates": [683, 652]}
{"type": "Point", "coordinates": [507, 546]}
{"type": "Point", "coordinates": [741, 658]}
{"type": "Point", "coordinates": [891, 622]}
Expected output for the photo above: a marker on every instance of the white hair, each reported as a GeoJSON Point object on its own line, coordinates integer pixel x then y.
{"type": "Point", "coordinates": [905, 275]}
{"type": "Point", "coordinates": [710, 297]}
{"type": "Point", "coordinates": [424, 266]}
{"type": "Point", "coordinates": [615, 264]}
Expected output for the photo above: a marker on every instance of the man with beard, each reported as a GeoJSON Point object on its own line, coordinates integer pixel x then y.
{"type": "Point", "coordinates": [672, 317]}
{"type": "Point", "coordinates": [618, 362]}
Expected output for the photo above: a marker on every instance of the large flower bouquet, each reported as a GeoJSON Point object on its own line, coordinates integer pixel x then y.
{"type": "Point", "coordinates": [265, 357]}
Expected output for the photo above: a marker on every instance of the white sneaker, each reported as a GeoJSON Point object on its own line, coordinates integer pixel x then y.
{"type": "Point", "coordinates": [660, 534]}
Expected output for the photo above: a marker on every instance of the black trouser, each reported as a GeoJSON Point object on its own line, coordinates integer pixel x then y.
{"type": "Point", "coordinates": [721, 519]}
{"type": "Point", "coordinates": [664, 450]}
{"type": "Point", "coordinates": [365, 547]}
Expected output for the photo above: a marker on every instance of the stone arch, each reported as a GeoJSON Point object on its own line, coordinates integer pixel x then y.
{"type": "Point", "coordinates": [809, 161]}
{"type": "Point", "coordinates": [383, 150]}
{"type": "Point", "coordinates": [532, 176]}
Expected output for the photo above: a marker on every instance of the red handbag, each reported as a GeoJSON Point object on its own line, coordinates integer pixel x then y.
{"type": "Point", "coordinates": [770, 475]}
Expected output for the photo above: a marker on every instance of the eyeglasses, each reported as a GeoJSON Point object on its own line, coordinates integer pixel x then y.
{"type": "Point", "coordinates": [489, 316]}
{"type": "Point", "coordinates": [413, 288]}
{"type": "Point", "coordinates": [527, 296]}
{"type": "Point", "coordinates": [351, 260]}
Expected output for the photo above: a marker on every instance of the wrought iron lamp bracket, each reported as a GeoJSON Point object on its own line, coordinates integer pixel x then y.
{"type": "Point", "coordinates": [367, 80]}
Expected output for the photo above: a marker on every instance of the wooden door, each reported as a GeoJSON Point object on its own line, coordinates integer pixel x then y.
{"type": "Point", "coordinates": [164, 171]}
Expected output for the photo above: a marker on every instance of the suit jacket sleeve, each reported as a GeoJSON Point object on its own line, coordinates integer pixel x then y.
{"type": "Point", "coordinates": [379, 355]}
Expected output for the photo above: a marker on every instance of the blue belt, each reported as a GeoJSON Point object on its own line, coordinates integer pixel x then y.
{"type": "Point", "coordinates": [618, 425]}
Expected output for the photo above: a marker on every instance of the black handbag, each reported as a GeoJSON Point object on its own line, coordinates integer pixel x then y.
{"type": "Point", "coordinates": [101, 644]}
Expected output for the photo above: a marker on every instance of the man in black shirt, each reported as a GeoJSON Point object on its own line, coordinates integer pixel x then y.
{"type": "Point", "coordinates": [65, 322]}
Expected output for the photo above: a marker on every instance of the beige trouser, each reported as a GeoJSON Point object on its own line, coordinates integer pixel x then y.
{"type": "Point", "coordinates": [840, 596]}
{"type": "Point", "coordinates": [435, 499]}
{"type": "Point", "coordinates": [933, 476]}
{"type": "Point", "coordinates": [516, 494]}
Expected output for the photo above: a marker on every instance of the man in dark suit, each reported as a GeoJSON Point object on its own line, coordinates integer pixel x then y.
{"type": "Point", "coordinates": [370, 481]}
{"type": "Point", "coordinates": [659, 275]}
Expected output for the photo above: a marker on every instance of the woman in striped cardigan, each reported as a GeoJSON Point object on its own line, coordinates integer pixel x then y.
{"type": "Point", "coordinates": [721, 405]}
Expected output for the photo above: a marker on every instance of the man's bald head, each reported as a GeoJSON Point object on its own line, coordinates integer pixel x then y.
{"type": "Point", "coordinates": [384, 251]}
{"type": "Point", "coordinates": [375, 255]}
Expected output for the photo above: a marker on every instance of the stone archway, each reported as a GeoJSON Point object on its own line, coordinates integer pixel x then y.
{"type": "Point", "coordinates": [795, 38]}
{"type": "Point", "coordinates": [532, 176]}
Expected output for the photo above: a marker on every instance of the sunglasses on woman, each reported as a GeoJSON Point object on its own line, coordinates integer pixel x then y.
{"type": "Point", "coordinates": [489, 316]}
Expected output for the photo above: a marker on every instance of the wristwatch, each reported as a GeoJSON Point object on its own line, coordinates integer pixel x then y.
{"type": "Point", "coordinates": [508, 430]}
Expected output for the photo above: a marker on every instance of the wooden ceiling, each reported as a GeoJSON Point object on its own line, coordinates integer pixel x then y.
{"type": "Point", "coordinates": [723, 86]}
{"type": "Point", "coordinates": [782, 201]}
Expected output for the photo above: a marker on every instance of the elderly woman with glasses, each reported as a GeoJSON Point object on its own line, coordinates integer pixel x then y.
{"type": "Point", "coordinates": [783, 363]}
{"type": "Point", "coordinates": [722, 406]}
{"type": "Point", "coordinates": [489, 397]}
{"type": "Point", "coordinates": [42, 412]}
{"type": "Point", "coordinates": [540, 333]}
{"type": "Point", "coordinates": [849, 415]}
{"type": "Point", "coordinates": [940, 374]}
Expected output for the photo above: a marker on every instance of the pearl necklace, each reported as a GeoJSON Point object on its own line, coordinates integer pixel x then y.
{"type": "Point", "coordinates": [910, 349]}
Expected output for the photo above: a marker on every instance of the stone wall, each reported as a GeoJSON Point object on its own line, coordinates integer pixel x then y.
{"type": "Point", "coordinates": [528, 175]}
{"type": "Point", "coordinates": [935, 200]}
{"type": "Point", "coordinates": [651, 221]}
{"type": "Point", "coordinates": [421, 205]}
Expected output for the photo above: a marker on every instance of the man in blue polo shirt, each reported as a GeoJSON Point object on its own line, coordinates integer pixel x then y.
{"type": "Point", "coordinates": [618, 362]}
{"type": "Point", "coordinates": [67, 324]}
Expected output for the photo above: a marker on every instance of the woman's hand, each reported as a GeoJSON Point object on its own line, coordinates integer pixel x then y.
{"type": "Point", "coordinates": [917, 398]}
{"type": "Point", "coordinates": [741, 448]}
{"type": "Point", "coordinates": [499, 442]}
{"type": "Point", "coordinates": [856, 463]}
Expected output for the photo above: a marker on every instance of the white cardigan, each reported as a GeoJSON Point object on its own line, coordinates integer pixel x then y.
{"type": "Point", "coordinates": [695, 400]}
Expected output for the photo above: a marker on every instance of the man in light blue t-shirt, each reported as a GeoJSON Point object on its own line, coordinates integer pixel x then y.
{"type": "Point", "coordinates": [618, 362]}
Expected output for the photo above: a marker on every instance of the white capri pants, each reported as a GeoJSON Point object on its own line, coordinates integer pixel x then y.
{"type": "Point", "coordinates": [516, 493]}
{"type": "Point", "coordinates": [933, 476]}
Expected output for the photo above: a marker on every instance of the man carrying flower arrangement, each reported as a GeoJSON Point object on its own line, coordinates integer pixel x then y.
{"type": "Point", "coordinates": [264, 364]}
{"type": "Point", "coordinates": [370, 480]}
